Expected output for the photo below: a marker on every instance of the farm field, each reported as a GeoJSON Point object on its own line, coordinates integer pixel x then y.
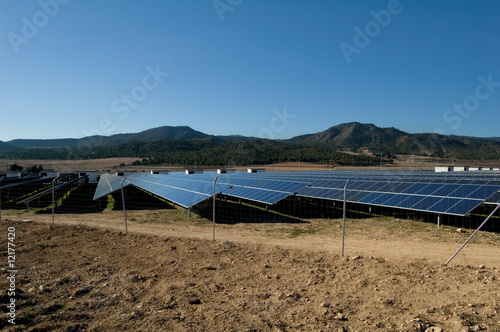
{"type": "Point", "coordinates": [84, 273]}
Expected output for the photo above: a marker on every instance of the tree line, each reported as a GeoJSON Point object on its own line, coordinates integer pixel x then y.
{"type": "Point", "coordinates": [207, 152]}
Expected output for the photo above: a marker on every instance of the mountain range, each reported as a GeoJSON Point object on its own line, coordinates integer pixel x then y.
{"type": "Point", "coordinates": [348, 137]}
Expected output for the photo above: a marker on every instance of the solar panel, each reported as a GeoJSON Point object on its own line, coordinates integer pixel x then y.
{"type": "Point", "coordinates": [443, 205]}
{"type": "Point", "coordinates": [429, 189]}
{"type": "Point", "coordinates": [108, 183]}
{"type": "Point", "coordinates": [415, 188]}
{"type": "Point", "coordinates": [464, 206]}
{"type": "Point", "coordinates": [446, 189]}
{"type": "Point", "coordinates": [426, 203]}
{"type": "Point", "coordinates": [420, 190]}
{"type": "Point", "coordinates": [483, 192]}
{"type": "Point", "coordinates": [410, 201]}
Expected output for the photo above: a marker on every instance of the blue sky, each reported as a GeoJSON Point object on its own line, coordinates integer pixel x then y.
{"type": "Point", "coordinates": [273, 69]}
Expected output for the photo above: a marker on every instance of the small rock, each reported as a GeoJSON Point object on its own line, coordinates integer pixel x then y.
{"type": "Point", "coordinates": [44, 289]}
{"type": "Point", "coordinates": [82, 291]}
{"type": "Point", "coordinates": [134, 314]}
{"type": "Point", "coordinates": [228, 244]}
{"type": "Point", "coordinates": [482, 266]}
{"type": "Point", "coordinates": [339, 316]}
{"type": "Point", "coordinates": [325, 305]}
{"type": "Point", "coordinates": [459, 230]}
{"type": "Point", "coordinates": [194, 301]}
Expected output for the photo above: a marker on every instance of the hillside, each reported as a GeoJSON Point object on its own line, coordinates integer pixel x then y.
{"type": "Point", "coordinates": [185, 145]}
{"type": "Point", "coordinates": [357, 137]}
{"type": "Point", "coordinates": [5, 146]}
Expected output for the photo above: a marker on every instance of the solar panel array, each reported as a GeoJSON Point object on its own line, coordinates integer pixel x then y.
{"type": "Point", "coordinates": [189, 190]}
{"type": "Point", "coordinates": [455, 193]}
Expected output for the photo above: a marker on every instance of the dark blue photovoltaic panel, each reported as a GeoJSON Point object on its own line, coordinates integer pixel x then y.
{"type": "Point", "coordinates": [354, 185]}
{"type": "Point", "coordinates": [450, 192]}
{"type": "Point", "coordinates": [382, 199]}
{"type": "Point", "coordinates": [446, 190]}
{"type": "Point", "coordinates": [369, 198]}
{"type": "Point", "coordinates": [396, 200]}
{"type": "Point", "coordinates": [374, 187]}
{"type": "Point", "coordinates": [400, 187]}
{"type": "Point", "coordinates": [410, 201]}
{"type": "Point", "coordinates": [355, 196]}
{"type": "Point", "coordinates": [257, 195]}
{"type": "Point", "coordinates": [426, 203]}
{"type": "Point", "coordinates": [429, 189]}
{"type": "Point", "coordinates": [464, 190]}
{"type": "Point", "coordinates": [309, 191]}
{"type": "Point", "coordinates": [413, 189]}
{"type": "Point", "coordinates": [385, 186]}
{"type": "Point", "coordinates": [464, 206]}
{"type": "Point", "coordinates": [336, 194]}
{"type": "Point", "coordinates": [483, 192]}
{"type": "Point", "coordinates": [444, 204]}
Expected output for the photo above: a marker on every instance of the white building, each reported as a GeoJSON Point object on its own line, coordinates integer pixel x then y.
{"type": "Point", "coordinates": [159, 171]}
{"type": "Point", "coordinates": [225, 171]}
{"type": "Point", "coordinates": [10, 174]}
{"type": "Point", "coordinates": [91, 174]}
{"type": "Point", "coordinates": [460, 168]}
{"type": "Point", "coordinates": [194, 171]}
{"type": "Point", "coordinates": [439, 169]}
{"type": "Point", "coordinates": [48, 173]}
{"type": "Point", "coordinates": [124, 173]}
{"type": "Point", "coordinates": [256, 170]}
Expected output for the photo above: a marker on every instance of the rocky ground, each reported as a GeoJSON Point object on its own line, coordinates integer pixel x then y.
{"type": "Point", "coordinates": [92, 277]}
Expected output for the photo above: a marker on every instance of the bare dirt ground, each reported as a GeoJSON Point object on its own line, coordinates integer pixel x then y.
{"type": "Point", "coordinates": [84, 273]}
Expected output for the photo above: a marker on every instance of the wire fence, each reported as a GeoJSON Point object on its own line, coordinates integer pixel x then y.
{"type": "Point", "coordinates": [74, 195]}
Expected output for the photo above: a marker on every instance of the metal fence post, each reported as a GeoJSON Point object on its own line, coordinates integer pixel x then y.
{"type": "Point", "coordinates": [123, 203]}
{"type": "Point", "coordinates": [343, 216]}
{"type": "Point", "coordinates": [1, 197]}
{"type": "Point", "coordinates": [53, 197]}
{"type": "Point", "coordinates": [213, 214]}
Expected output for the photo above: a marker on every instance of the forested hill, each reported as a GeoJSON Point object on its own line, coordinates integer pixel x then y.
{"type": "Point", "coordinates": [357, 137]}
{"type": "Point", "coordinates": [184, 145]}
{"type": "Point", "coordinates": [207, 151]}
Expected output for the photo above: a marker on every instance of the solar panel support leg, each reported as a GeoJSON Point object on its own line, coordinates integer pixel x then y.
{"type": "Point", "coordinates": [477, 230]}
{"type": "Point", "coordinates": [439, 221]}
{"type": "Point", "coordinates": [189, 212]}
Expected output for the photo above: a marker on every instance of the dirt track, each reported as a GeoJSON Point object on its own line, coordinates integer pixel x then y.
{"type": "Point", "coordinates": [85, 274]}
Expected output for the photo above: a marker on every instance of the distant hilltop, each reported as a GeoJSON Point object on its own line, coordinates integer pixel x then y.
{"type": "Point", "coordinates": [352, 137]}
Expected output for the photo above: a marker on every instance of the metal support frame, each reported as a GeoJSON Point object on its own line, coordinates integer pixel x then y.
{"type": "Point", "coordinates": [123, 203]}
{"type": "Point", "coordinates": [477, 230]}
{"type": "Point", "coordinates": [343, 216]}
